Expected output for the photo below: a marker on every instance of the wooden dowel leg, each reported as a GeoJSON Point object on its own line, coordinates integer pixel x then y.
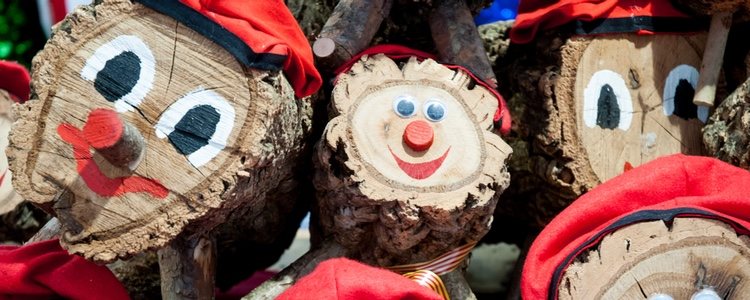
{"type": "Point", "coordinates": [457, 286]}
{"type": "Point", "coordinates": [348, 31]}
{"type": "Point", "coordinates": [187, 268]}
{"type": "Point", "coordinates": [49, 231]}
{"type": "Point", "coordinates": [457, 39]}
{"type": "Point", "coordinates": [713, 58]}
{"type": "Point", "coordinates": [273, 287]}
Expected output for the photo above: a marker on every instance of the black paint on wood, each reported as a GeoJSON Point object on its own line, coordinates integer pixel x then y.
{"type": "Point", "coordinates": [119, 76]}
{"type": "Point", "coordinates": [195, 129]}
{"type": "Point", "coordinates": [608, 111]}
{"type": "Point", "coordinates": [683, 101]}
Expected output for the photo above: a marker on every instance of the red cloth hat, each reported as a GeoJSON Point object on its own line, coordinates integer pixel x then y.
{"type": "Point", "coordinates": [345, 279]}
{"type": "Point", "coordinates": [502, 118]}
{"type": "Point", "coordinates": [669, 187]}
{"type": "Point", "coordinates": [601, 17]}
{"type": "Point", "coordinates": [14, 78]}
{"type": "Point", "coordinates": [260, 34]}
{"type": "Point", "coordinates": [44, 270]}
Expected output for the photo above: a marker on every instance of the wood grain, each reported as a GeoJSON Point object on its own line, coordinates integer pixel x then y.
{"type": "Point", "coordinates": [649, 258]}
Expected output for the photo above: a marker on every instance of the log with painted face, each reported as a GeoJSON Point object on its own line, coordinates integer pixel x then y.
{"type": "Point", "coordinates": [142, 126]}
{"type": "Point", "coordinates": [613, 93]}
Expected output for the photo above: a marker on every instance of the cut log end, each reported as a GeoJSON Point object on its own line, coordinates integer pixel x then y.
{"type": "Point", "coordinates": [324, 47]}
{"type": "Point", "coordinates": [651, 258]}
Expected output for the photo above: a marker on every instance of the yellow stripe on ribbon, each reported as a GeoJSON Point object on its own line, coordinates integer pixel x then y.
{"type": "Point", "coordinates": [429, 280]}
{"type": "Point", "coordinates": [428, 273]}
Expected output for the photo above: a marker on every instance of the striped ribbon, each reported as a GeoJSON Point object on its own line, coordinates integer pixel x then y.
{"type": "Point", "coordinates": [428, 273]}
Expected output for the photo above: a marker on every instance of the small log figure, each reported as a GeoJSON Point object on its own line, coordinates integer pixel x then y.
{"type": "Point", "coordinates": [407, 171]}
{"type": "Point", "coordinates": [591, 106]}
{"type": "Point", "coordinates": [679, 259]}
{"type": "Point", "coordinates": [141, 128]}
{"type": "Point", "coordinates": [665, 230]}
{"type": "Point", "coordinates": [9, 199]}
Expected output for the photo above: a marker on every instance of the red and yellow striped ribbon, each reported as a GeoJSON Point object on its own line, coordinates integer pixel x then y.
{"type": "Point", "coordinates": [429, 280]}
{"type": "Point", "coordinates": [427, 273]}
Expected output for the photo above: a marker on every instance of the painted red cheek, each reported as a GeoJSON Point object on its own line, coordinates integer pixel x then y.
{"type": "Point", "coordinates": [419, 135]}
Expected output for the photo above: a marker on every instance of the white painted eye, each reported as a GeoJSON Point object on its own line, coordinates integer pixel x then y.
{"type": "Point", "coordinates": [706, 294]}
{"type": "Point", "coordinates": [606, 102]}
{"type": "Point", "coordinates": [434, 110]}
{"type": "Point", "coordinates": [122, 71]}
{"type": "Point", "coordinates": [405, 106]}
{"type": "Point", "coordinates": [679, 89]}
{"type": "Point", "coordinates": [660, 297]}
{"type": "Point", "coordinates": [197, 125]}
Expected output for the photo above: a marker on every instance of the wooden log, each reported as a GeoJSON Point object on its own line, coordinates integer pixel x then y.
{"type": "Point", "coordinates": [348, 31]}
{"type": "Point", "coordinates": [678, 260]}
{"type": "Point", "coordinates": [385, 193]}
{"type": "Point", "coordinates": [187, 268]}
{"type": "Point", "coordinates": [713, 57]}
{"type": "Point", "coordinates": [589, 108]}
{"type": "Point", "coordinates": [457, 39]}
{"type": "Point", "coordinates": [725, 135]}
{"type": "Point", "coordinates": [221, 139]}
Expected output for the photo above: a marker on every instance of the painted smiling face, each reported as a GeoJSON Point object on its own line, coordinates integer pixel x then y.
{"type": "Point", "coordinates": [410, 143]}
{"type": "Point", "coordinates": [133, 73]}
{"type": "Point", "coordinates": [634, 95]}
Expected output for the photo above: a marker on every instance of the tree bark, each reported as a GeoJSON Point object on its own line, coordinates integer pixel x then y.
{"type": "Point", "coordinates": [187, 268]}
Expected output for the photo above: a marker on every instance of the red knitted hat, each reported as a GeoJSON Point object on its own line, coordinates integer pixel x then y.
{"type": "Point", "coordinates": [346, 279]}
{"type": "Point", "coordinates": [260, 34]}
{"type": "Point", "coordinates": [502, 118]}
{"type": "Point", "coordinates": [15, 79]}
{"type": "Point", "coordinates": [663, 189]}
{"type": "Point", "coordinates": [601, 17]}
{"type": "Point", "coordinates": [43, 270]}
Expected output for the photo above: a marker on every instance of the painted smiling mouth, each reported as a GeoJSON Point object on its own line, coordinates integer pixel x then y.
{"type": "Point", "coordinates": [420, 170]}
{"type": "Point", "coordinates": [97, 181]}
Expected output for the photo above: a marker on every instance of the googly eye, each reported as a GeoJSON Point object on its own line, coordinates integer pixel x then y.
{"type": "Point", "coordinates": [122, 71]}
{"type": "Point", "coordinates": [405, 106]}
{"type": "Point", "coordinates": [197, 125]}
{"type": "Point", "coordinates": [607, 102]}
{"type": "Point", "coordinates": [434, 110]}
{"type": "Point", "coordinates": [660, 297]}
{"type": "Point", "coordinates": [679, 90]}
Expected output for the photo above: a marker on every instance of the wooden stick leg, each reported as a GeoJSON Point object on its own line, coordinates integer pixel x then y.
{"type": "Point", "coordinates": [50, 230]}
{"type": "Point", "coordinates": [456, 284]}
{"type": "Point", "coordinates": [273, 287]}
{"type": "Point", "coordinates": [187, 268]}
{"type": "Point", "coordinates": [457, 39]}
{"type": "Point", "coordinates": [713, 57]}
{"type": "Point", "coordinates": [349, 30]}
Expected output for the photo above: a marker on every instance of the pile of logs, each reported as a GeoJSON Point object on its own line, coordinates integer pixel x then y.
{"type": "Point", "coordinates": [154, 149]}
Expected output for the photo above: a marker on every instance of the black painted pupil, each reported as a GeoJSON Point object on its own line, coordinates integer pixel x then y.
{"type": "Point", "coordinates": [405, 108]}
{"type": "Point", "coordinates": [195, 129]}
{"type": "Point", "coordinates": [608, 114]}
{"type": "Point", "coordinates": [119, 76]}
{"type": "Point", "coordinates": [683, 101]}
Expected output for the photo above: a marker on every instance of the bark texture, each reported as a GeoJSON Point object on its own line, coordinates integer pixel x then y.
{"type": "Point", "coordinates": [726, 134]}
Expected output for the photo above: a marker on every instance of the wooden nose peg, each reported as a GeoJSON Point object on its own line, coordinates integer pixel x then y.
{"type": "Point", "coordinates": [419, 135]}
{"type": "Point", "coordinates": [116, 140]}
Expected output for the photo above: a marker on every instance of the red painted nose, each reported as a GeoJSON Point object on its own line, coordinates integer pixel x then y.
{"type": "Point", "coordinates": [418, 135]}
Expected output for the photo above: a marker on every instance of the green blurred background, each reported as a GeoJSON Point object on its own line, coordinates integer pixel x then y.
{"type": "Point", "coordinates": [21, 34]}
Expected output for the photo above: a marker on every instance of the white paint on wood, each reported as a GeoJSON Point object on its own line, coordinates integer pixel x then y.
{"type": "Point", "coordinates": [705, 294]}
{"type": "Point", "coordinates": [686, 72]}
{"type": "Point", "coordinates": [179, 108]}
{"type": "Point", "coordinates": [115, 47]}
{"type": "Point", "coordinates": [591, 98]}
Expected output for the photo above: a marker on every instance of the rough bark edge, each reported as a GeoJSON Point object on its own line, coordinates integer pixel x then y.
{"type": "Point", "coordinates": [726, 133]}
{"type": "Point", "coordinates": [250, 168]}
